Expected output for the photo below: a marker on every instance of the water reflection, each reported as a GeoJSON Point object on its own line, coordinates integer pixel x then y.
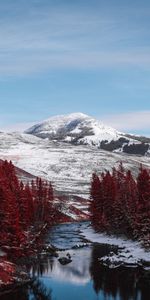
{"type": "Point", "coordinates": [77, 272]}
{"type": "Point", "coordinates": [120, 283]}
{"type": "Point", "coordinates": [85, 278]}
{"type": "Point", "coordinates": [39, 291]}
{"type": "Point", "coordinates": [41, 265]}
{"type": "Point", "coordinates": [86, 272]}
{"type": "Point", "coordinates": [34, 291]}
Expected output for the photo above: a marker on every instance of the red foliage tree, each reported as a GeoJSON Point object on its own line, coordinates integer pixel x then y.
{"type": "Point", "coordinates": [143, 205]}
{"type": "Point", "coordinates": [121, 204]}
{"type": "Point", "coordinates": [96, 206]}
{"type": "Point", "coordinates": [22, 206]}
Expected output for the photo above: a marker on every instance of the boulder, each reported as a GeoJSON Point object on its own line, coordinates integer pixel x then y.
{"type": "Point", "coordinates": [64, 260]}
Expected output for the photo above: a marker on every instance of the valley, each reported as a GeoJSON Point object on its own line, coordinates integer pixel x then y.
{"type": "Point", "coordinates": [67, 166]}
{"type": "Point", "coordinates": [67, 158]}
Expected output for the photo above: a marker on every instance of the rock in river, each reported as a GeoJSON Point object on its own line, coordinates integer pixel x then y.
{"type": "Point", "coordinates": [64, 260]}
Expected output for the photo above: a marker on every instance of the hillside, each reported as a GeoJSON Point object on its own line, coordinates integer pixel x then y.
{"type": "Point", "coordinates": [81, 129]}
{"type": "Point", "coordinates": [67, 166]}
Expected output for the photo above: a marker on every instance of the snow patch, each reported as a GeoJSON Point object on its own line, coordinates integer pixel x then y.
{"type": "Point", "coordinates": [130, 252]}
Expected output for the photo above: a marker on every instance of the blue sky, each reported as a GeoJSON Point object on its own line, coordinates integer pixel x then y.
{"type": "Point", "coordinates": [63, 56]}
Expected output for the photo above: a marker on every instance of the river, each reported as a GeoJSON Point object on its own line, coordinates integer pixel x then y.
{"type": "Point", "coordinates": [84, 278]}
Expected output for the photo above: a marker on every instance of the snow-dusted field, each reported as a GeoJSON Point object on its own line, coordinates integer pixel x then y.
{"type": "Point", "coordinates": [130, 252]}
{"type": "Point", "coordinates": [68, 167]}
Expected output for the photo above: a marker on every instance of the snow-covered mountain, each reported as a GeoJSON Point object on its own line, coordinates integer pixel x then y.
{"type": "Point", "coordinates": [67, 166]}
{"type": "Point", "coordinates": [78, 128]}
{"type": "Point", "coordinates": [49, 150]}
{"type": "Point", "coordinates": [66, 150]}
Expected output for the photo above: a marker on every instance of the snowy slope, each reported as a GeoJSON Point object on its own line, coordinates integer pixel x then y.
{"type": "Point", "coordinates": [78, 128]}
{"type": "Point", "coordinates": [67, 166]}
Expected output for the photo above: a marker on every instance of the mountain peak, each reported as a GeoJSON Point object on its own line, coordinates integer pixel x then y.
{"type": "Point", "coordinates": [76, 128]}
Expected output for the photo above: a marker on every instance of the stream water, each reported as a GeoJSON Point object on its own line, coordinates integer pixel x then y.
{"type": "Point", "coordinates": [84, 278]}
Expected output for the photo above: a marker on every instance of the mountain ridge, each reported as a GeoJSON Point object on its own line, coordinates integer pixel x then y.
{"type": "Point", "coordinates": [79, 128]}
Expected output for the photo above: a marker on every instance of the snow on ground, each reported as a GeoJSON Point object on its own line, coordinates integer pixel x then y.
{"type": "Point", "coordinates": [79, 128]}
{"type": "Point", "coordinates": [68, 167]}
{"type": "Point", "coordinates": [130, 252]}
{"type": "Point", "coordinates": [67, 125]}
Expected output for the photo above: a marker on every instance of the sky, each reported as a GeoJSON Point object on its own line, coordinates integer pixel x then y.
{"type": "Point", "coordinates": [64, 56]}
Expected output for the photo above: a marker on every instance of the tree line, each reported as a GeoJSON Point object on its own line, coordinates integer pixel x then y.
{"type": "Point", "coordinates": [24, 208]}
{"type": "Point", "coordinates": [120, 204]}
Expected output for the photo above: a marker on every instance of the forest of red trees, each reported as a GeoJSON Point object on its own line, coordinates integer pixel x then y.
{"type": "Point", "coordinates": [120, 204]}
{"type": "Point", "coordinates": [22, 208]}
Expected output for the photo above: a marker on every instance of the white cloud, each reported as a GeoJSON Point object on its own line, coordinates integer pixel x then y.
{"type": "Point", "coordinates": [44, 38]}
{"type": "Point", "coordinates": [131, 121]}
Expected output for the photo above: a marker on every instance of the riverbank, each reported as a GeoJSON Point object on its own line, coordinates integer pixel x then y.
{"type": "Point", "coordinates": [129, 252]}
{"type": "Point", "coordinates": [70, 265]}
{"type": "Point", "coordinates": [12, 275]}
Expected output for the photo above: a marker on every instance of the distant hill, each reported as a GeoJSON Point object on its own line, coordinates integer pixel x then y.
{"type": "Point", "coordinates": [78, 128]}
